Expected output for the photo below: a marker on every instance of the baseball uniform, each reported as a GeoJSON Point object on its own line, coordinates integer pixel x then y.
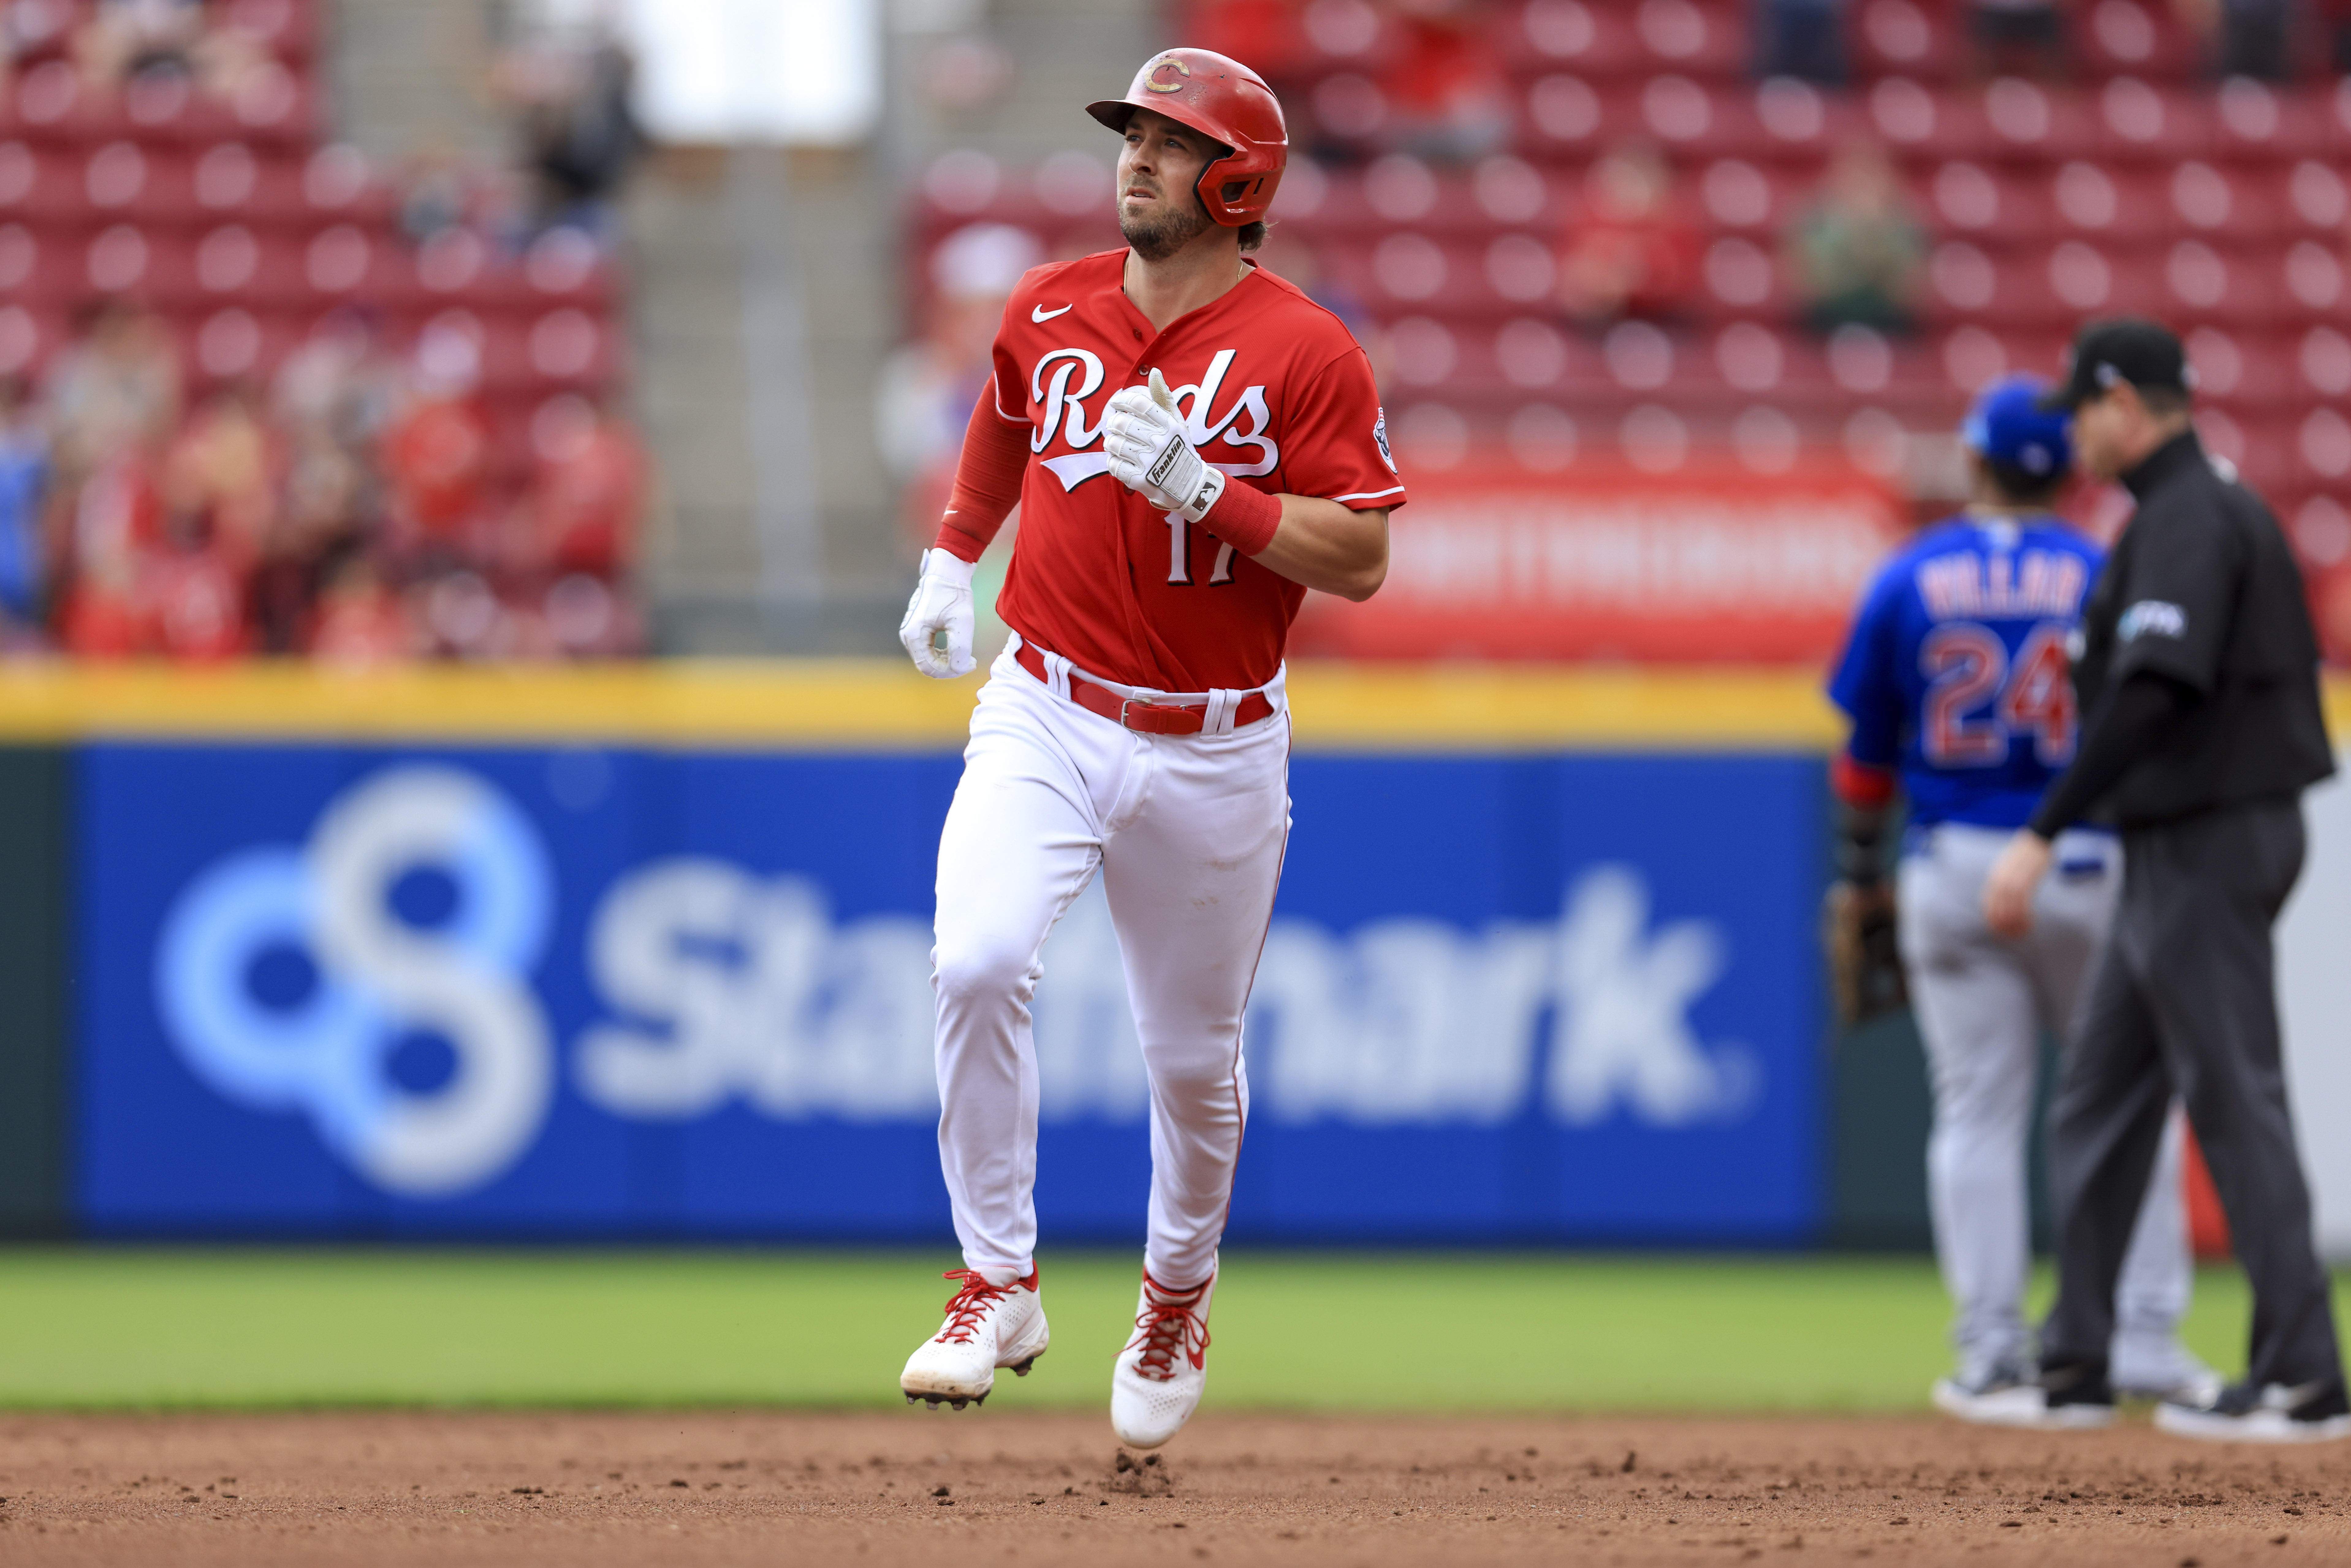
{"type": "Point", "coordinates": [1955, 676]}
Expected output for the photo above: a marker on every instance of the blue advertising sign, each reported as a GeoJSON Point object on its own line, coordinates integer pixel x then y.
{"type": "Point", "coordinates": [337, 991]}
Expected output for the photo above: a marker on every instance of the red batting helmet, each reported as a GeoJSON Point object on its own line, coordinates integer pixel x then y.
{"type": "Point", "coordinates": [1219, 98]}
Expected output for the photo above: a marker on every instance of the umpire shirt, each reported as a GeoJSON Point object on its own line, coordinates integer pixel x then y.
{"type": "Point", "coordinates": [2202, 590]}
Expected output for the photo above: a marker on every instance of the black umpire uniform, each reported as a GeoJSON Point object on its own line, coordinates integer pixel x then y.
{"type": "Point", "coordinates": [2198, 675]}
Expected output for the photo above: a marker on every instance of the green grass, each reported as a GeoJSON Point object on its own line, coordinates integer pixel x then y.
{"type": "Point", "coordinates": [163, 1328]}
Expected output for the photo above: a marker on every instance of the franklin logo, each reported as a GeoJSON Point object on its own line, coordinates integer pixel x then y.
{"type": "Point", "coordinates": [2152, 617]}
{"type": "Point", "coordinates": [1167, 461]}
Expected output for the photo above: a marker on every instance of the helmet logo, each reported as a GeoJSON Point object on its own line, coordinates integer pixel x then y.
{"type": "Point", "coordinates": [1151, 76]}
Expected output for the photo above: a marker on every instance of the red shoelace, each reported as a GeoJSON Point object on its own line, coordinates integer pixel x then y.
{"type": "Point", "coordinates": [1167, 1328]}
{"type": "Point", "coordinates": [968, 1304]}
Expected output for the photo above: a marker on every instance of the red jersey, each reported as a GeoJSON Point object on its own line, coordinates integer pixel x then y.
{"type": "Point", "coordinates": [1277, 394]}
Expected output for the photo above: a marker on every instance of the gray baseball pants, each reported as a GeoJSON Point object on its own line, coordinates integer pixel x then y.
{"type": "Point", "coordinates": [1982, 1003]}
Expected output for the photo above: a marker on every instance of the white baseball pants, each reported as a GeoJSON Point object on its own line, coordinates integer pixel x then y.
{"type": "Point", "coordinates": [1187, 833]}
{"type": "Point", "coordinates": [1982, 1003]}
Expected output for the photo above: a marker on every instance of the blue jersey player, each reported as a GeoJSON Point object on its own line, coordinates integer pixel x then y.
{"type": "Point", "coordinates": [1957, 682]}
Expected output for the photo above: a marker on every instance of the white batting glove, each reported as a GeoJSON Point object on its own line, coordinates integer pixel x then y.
{"type": "Point", "coordinates": [942, 603]}
{"type": "Point", "coordinates": [1142, 435]}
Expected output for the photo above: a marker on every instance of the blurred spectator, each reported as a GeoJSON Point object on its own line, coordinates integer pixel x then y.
{"type": "Point", "coordinates": [338, 383]}
{"type": "Point", "coordinates": [928, 387]}
{"type": "Point", "coordinates": [220, 477]}
{"type": "Point", "coordinates": [1449, 94]}
{"type": "Point", "coordinates": [116, 520]}
{"type": "Point", "coordinates": [24, 495]}
{"type": "Point", "coordinates": [362, 622]}
{"type": "Point", "coordinates": [1857, 254]}
{"type": "Point", "coordinates": [587, 491]}
{"type": "Point", "coordinates": [2018, 37]}
{"type": "Point", "coordinates": [190, 596]}
{"type": "Point", "coordinates": [114, 392]}
{"type": "Point", "coordinates": [2254, 39]}
{"type": "Point", "coordinates": [2334, 23]}
{"type": "Point", "coordinates": [123, 38]}
{"type": "Point", "coordinates": [570, 86]}
{"type": "Point", "coordinates": [1802, 38]}
{"type": "Point", "coordinates": [2248, 38]}
{"type": "Point", "coordinates": [436, 454]}
{"type": "Point", "coordinates": [1633, 250]}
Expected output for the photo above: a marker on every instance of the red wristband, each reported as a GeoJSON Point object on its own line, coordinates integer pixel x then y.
{"type": "Point", "coordinates": [1859, 784]}
{"type": "Point", "coordinates": [1244, 516]}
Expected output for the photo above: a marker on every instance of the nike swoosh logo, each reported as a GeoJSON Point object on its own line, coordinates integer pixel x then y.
{"type": "Point", "coordinates": [1078, 468]}
{"type": "Point", "coordinates": [1039, 313]}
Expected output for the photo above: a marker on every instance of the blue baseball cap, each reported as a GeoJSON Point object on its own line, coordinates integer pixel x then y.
{"type": "Point", "coordinates": [2009, 426]}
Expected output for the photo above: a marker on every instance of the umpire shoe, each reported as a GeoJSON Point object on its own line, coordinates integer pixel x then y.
{"type": "Point", "coordinates": [2064, 1399]}
{"type": "Point", "coordinates": [987, 1326]}
{"type": "Point", "coordinates": [1162, 1373]}
{"type": "Point", "coordinates": [2241, 1413]}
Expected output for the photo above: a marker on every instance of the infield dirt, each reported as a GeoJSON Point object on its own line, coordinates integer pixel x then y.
{"type": "Point", "coordinates": [705, 1488]}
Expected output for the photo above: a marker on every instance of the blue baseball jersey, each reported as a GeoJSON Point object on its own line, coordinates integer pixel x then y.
{"type": "Point", "coordinates": [1956, 673]}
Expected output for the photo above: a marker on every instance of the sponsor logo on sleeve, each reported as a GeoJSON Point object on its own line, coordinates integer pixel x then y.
{"type": "Point", "coordinates": [2152, 617]}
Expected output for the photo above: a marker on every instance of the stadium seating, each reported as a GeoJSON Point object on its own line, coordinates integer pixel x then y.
{"type": "Point", "coordinates": [242, 226]}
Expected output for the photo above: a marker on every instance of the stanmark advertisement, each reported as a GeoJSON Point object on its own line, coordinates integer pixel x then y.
{"type": "Point", "coordinates": [586, 993]}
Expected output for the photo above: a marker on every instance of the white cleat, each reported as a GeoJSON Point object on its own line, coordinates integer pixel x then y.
{"type": "Point", "coordinates": [2315, 1412]}
{"type": "Point", "coordinates": [1160, 1376]}
{"type": "Point", "coordinates": [987, 1326]}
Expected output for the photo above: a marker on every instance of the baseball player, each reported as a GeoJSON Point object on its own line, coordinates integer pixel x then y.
{"type": "Point", "coordinates": [1193, 444]}
{"type": "Point", "coordinates": [1956, 677]}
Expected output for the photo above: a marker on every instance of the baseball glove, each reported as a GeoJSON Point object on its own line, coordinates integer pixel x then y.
{"type": "Point", "coordinates": [1864, 963]}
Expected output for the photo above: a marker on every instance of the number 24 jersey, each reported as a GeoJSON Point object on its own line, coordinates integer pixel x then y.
{"type": "Point", "coordinates": [1957, 672]}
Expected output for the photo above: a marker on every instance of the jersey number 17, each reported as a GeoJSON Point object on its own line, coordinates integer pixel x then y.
{"type": "Point", "coordinates": [1979, 699]}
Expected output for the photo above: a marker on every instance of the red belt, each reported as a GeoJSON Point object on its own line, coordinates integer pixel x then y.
{"type": "Point", "coordinates": [1140, 713]}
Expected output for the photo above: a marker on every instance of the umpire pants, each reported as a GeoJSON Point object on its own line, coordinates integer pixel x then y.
{"type": "Point", "coordinates": [2186, 1003]}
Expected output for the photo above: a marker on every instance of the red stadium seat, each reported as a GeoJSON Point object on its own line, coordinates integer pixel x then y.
{"type": "Point", "coordinates": [1989, 206]}
{"type": "Point", "coordinates": [2026, 122]}
{"type": "Point", "coordinates": [1904, 38]}
{"type": "Point", "coordinates": [2240, 370]}
{"type": "Point", "coordinates": [1920, 124]}
{"type": "Point", "coordinates": [1695, 38]}
{"type": "Point", "coordinates": [1590, 37]}
{"type": "Point", "coordinates": [29, 334]}
{"type": "Point", "coordinates": [2264, 124]}
{"type": "Point", "coordinates": [38, 185]}
{"type": "Point", "coordinates": [2110, 206]}
{"type": "Point", "coordinates": [2139, 121]}
{"type": "Point", "coordinates": [2135, 37]}
{"type": "Point", "coordinates": [1562, 114]}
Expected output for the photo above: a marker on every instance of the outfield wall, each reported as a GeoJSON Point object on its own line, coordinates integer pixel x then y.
{"type": "Point", "coordinates": [642, 953]}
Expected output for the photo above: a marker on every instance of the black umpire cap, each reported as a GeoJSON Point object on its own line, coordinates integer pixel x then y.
{"type": "Point", "coordinates": [2123, 349]}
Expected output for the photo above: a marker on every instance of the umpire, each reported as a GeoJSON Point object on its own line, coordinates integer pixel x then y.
{"type": "Point", "coordinates": [2199, 675]}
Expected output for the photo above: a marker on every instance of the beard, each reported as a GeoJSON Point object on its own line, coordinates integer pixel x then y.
{"type": "Point", "coordinates": [1157, 238]}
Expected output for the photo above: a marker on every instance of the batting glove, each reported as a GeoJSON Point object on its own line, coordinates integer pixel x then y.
{"type": "Point", "coordinates": [1142, 435]}
{"type": "Point", "coordinates": [941, 605]}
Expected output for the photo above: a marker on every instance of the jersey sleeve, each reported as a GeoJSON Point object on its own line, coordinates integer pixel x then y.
{"type": "Point", "coordinates": [986, 482]}
{"type": "Point", "coordinates": [2175, 603]}
{"type": "Point", "coordinates": [1335, 439]}
{"type": "Point", "coordinates": [1865, 685]}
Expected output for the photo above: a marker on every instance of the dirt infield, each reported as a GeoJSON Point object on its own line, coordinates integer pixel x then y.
{"type": "Point", "coordinates": [770, 1487]}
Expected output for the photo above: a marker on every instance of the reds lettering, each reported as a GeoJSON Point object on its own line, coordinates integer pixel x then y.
{"type": "Point", "coordinates": [1061, 410]}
